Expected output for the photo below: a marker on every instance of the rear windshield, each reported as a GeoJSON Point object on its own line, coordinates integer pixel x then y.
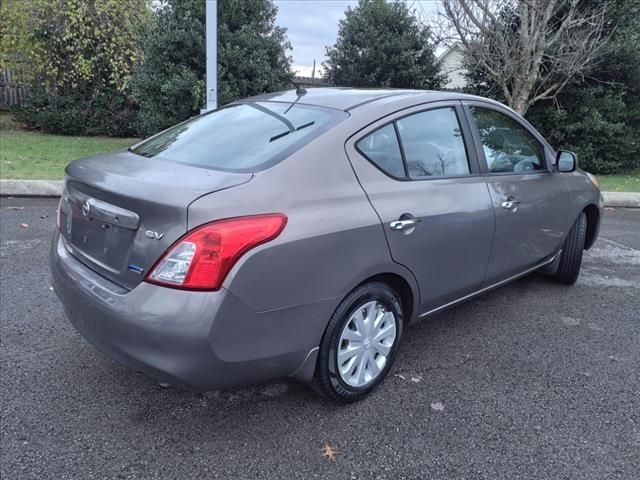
{"type": "Point", "coordinates": [243, 137]}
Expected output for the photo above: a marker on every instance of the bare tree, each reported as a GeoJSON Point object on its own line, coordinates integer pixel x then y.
{"type": "Point", "coordinates": [530, 48]}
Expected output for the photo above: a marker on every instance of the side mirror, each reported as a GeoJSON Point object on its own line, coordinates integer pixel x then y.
{"type": "Point", "coordinates": [566, 161]}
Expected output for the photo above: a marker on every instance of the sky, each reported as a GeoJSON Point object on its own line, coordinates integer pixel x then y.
{"type": "Point", "coordinates": [313, 24]}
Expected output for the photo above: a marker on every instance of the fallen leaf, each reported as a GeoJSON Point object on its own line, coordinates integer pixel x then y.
{"type": "Point", "coordinates": [416, 379]}
{"type": "Point", "coordinates": [44, 216]}
{"type": "Point", "coordinates": [437, 406]}
{"type": "Point", "coordinates": [570, 321]}
{"type": "Point", "coordinates": [329, 453]}
{"type": "Point", "coordinates": [24, 225]}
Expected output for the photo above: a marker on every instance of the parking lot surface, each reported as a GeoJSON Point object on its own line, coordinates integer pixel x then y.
{"type": "Point", "coordinates": [533, 380]}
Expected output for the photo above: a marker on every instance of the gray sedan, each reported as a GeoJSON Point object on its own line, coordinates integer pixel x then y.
{"type": "Point", "coordinates": [298, 233]}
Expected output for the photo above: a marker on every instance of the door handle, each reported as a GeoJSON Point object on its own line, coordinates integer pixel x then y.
{"type": "Point", "coordinates": [510, 204]}
{"type": "Point", "coordinates": [404, 224]}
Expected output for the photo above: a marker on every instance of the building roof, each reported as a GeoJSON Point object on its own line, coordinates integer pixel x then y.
{"type": "Point", "coordinates": [456, 46]}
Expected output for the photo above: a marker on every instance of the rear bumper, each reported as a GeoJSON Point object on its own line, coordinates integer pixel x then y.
{"type": "Point", "coordinates": [203, 340]}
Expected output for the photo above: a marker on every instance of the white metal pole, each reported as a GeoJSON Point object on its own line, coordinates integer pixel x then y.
{"type": "Point", "coordinates": [212, 54]}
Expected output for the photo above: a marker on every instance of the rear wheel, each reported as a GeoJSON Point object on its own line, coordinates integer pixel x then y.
{"type": "Point", "coordinates": [571, 256]}
{"type": "Point", "coordinates": [359, 344]}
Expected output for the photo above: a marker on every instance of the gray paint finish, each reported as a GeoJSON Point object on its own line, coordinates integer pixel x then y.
{"type": "Point", "coordinates": [268, 318]}
{"type": "Point", "coordinates": [156, 191]}
{"type": "Point", "coordinates": [308, 261]}
{"type": "Point", "coordinates": [449, 247]}
{"type": "Point", "coordinates": [532, 231]}
{"type": "Point", "coordinates": [197, 339]}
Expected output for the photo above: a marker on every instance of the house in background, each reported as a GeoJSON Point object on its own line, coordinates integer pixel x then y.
{"type": "Point", "coordinates": [451, 65]}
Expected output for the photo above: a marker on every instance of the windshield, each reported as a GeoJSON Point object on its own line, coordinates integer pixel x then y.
{"type": "Point", "coordinates": [242, 137]}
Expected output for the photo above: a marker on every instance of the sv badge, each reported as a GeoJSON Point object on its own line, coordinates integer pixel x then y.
{"type": "Point", "coordinates": [151, 234]}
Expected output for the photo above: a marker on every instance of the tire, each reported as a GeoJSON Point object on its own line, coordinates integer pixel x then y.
{"type": "Point", "coordinates": [370, 334]}
{"type": "Point", "coordinates": [571, 256]}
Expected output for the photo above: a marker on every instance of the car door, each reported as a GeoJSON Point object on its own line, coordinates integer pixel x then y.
{"type": "Point", "coordinates": [530, 201]}
{"type": "Point", "coordinates": [420, 172]}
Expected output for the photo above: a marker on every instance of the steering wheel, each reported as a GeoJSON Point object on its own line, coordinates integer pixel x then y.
{"type": "Point", "coordinates": [525, 165]}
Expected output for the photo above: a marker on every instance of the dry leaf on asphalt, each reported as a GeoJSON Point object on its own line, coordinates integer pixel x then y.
{"type": "Point", "coordinates": [24, 225]}
{"type": "Point", "coordinates": [329, 453]}
{"type": "Point", "coordinates": [416, 379]}
{"type": "Point", "coordinates": [44, 216]}
{"type": "Point", "coordinates": [437, 406]}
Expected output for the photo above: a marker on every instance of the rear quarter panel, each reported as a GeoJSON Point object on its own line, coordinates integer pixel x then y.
{"type": "Point", "coordinates": [333, 239]}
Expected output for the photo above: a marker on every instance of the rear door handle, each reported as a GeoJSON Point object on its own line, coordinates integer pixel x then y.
{"type": "Point", "coordinates": [404, 224]}
{"type": "Point", "coordinates": [510, 203]}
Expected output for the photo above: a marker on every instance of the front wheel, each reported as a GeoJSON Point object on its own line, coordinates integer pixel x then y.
{"type": "Point", "coordinates": [359, 344]}
{"type": "Point", "coordinates": [571, 256]}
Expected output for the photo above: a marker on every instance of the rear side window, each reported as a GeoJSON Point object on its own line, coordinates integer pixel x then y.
{"type": "Point", "coordinates": [507, 145]}
{"type": "Point", "coordinates": [244, 137]}
{"type": "Point", "coordinates": [433, 144]}
{"type": "Point", "coordinates": [430, 144]}
{"type": "Point", "coordinates": [382, 149]}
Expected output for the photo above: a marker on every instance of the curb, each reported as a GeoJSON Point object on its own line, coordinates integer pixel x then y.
{"type": "Point", "coordinates": [621, 199]}
{"type": "Point", "coordinates": [53, 188]}
{"type": "Point", "coordinates": [30, 188]}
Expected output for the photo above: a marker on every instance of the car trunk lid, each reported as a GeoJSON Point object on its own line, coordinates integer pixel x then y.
{"type": "Point", "coordinates": [120, 211]}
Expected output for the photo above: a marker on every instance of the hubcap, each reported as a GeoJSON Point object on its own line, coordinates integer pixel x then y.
{"type": "Point", "coordinates": [365, 344]}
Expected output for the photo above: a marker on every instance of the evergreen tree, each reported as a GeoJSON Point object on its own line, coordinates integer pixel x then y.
{"type": "Point", "coordinates": [170, 82]}
{"type": "Point", "coordinates": [382, 44]}
{"type": "Point", "coordinates": [599, 116]}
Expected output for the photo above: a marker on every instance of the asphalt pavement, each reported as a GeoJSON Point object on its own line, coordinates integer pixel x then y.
{"type": "Point", "coordinates": [534, 380]}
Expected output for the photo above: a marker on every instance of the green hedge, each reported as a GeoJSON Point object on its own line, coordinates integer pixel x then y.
{"type": "Point", "coordinates": [107, 112]}
{"type": "Point", "coordinates": [595, 123]}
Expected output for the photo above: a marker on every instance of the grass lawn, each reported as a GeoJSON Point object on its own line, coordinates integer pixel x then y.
{"type": "Point", "coordinates": [32, 155]}
{"type": "Point", "coordinates": [620, 183]}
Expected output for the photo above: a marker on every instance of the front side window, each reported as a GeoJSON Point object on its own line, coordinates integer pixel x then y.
{"type": "Point", "coordinates": [242, 137]}
{"type": "Point", "coordinates": [507, 145]}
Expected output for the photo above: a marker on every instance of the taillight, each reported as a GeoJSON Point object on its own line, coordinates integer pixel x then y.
{"type": "Point", "coordinates": [203, 257]}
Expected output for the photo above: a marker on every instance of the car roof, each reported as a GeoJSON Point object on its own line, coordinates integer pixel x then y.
{"type": "Point", "coordinates": [344, 98]}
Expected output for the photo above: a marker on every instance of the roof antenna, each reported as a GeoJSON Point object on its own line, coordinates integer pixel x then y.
{"type": "Point", "coordinates": [300, 90]}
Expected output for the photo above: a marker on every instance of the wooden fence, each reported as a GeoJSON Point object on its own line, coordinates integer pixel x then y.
{"type": "Point", "coordinates": [309, 82]}
{"type": "Point", "coordinates": [12, 91]}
